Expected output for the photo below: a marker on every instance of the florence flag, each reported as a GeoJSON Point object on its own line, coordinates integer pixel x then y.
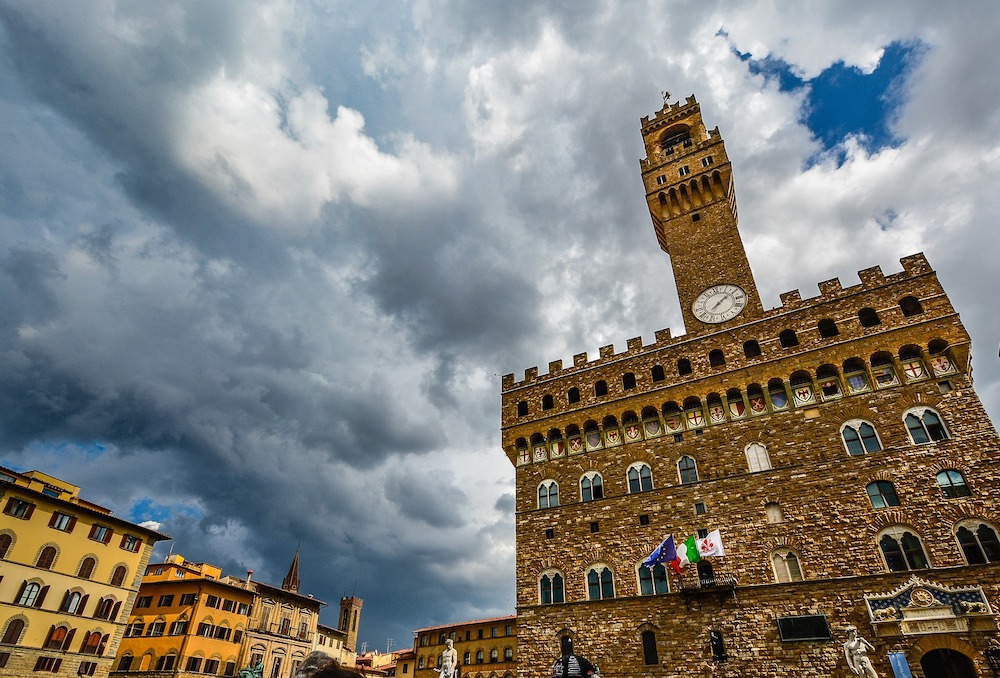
{"type": "Point", "coordinates": [711, 545]}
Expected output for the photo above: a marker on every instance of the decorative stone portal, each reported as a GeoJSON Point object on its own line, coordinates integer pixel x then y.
{"type": "Point", "coordinates": [923, 607]}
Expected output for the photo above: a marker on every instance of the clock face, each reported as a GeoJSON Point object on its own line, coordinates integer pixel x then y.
{"type": "Point", "coordinates": [719, 303]}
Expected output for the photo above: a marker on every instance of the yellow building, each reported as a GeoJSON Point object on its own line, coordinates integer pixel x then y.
{"type": "Point", "coordinates": [70, 571]}
{"type": "Point", "coordinates": [187, 620]}
{"type": "Point", "coordinates": [334, 642]}
{"type": "Point", "coordinates": [487, 648]}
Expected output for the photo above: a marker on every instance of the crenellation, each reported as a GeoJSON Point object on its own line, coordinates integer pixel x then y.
{"type": "Point", "coordinates": [791, 299]}
{"type": "Point", "coordinates": [607, 352]}
{"type": "Point", "coordinates": [507, 381]}
{"type": "Point", "coordinates": [531, 375]}
{"type": "Point", "coordinates": [555, 366]}
{"type": "Point", "coordinates": [830, 287]}
{"type": "Point", "coordinates": [871, 276]}
{"type": "Point", "coordinates": [662, 337]}
{"type": "Point", "coordinates": [580, 359]}
{"type": "Point", "coordinates": [634, 345]}
{"type": "Point", "coordinates": [916, 264]}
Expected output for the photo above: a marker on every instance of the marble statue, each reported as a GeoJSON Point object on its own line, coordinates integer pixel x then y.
{"type": "Point", "coordinates": [856, 651]}
{"type": "Point", "coordinates": [449, 661]}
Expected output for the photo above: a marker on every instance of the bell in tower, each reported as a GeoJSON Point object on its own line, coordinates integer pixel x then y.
{"type": "Point", "coordinates": [692, 202]}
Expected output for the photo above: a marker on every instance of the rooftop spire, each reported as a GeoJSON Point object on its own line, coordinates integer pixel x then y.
{"type": "Point", "coordinates": [291, 580]}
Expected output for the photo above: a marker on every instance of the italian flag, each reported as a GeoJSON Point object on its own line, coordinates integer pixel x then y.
{"type": "Point", "coordinates": [687, 553]}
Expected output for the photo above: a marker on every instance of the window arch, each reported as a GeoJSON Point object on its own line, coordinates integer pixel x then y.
{"type": "Point", "coordinates": [118, 578]}
{"type": "Point", "coordinates": [29, 594]}
{"type": "Point", "coordinates": [600, 583]}
{"type": "Point", "coordinates": [548, 494]}
{"type": "Point", "coordinates": [547, 402]}
{"type": "Point", "coordinates": [859, 437]}
{"type": "Point", "coordinates": [902, 549]}
{"type": "Point", "coordinates": [683, 366]}
{"type": "Point", "coordinates": [653, 580]}
{"type": "Point", "coordinates": [494, 655]}
{"type": "Point", "coordinates": [59, 638]}
{"type": "Point", "coordinates": [757, 458]}
{"type": "Point", "coordinates": [640, 478]}
{"type": "Point", "coordinates": [827, 328]}
{"type": "Point", "coordinates": [716, 358]}
{"type": "Point", "coordinates": [72, 604]}
{"type": "Point", "coordinates": [508, 654]}
{"type": "Point", "coordinates": [978, 541]}
{"type": "Point", "coordinates": [12, 634]}
{"type": "Point", "coordinates": [87, 568]}
{"type": "Point", "coordinates": [882, 494]}
{"type": "Point", "coordinates": [628, 381]}
{"type": "Point", "coordinates": [952, 484]}
{"type": "Point", "coordinates": [591, 486]}
{"type": "Point", "coordinates": [551, 588]}
{"type": "Point", "coordinates": [868, 317]}
{"type": "Point", "coordinates": [650, 657]}
{"type": "Point", "coordinates": [657, 373]}
{"type": "Point", "coordinates": [5, 543]}
{"type": "Point", "coordinates": [883, 369]}
{"type": "Point", "coordinates": [687, 469]}
{"type": "Point", "coordinates": [47, 558]}
{"type": "Point", "coordinates": [785, 564]}
{"type": "Point", "coordinates": [751, 349]}
{"type": "Point", "coordinates": [601, 388]}
{"type": "Point", "coordinates": [829, 381]}
{"type": "Point", "coordinates": [910, 306]}
{"type": "Point", "coordinates": [924, 425]}
{"type": "Point", "coordinates": [479, 656]}
{"type": "Point", "coordinates": [573, 395]}
{"type": "Point", "coordinates": [788, 338]}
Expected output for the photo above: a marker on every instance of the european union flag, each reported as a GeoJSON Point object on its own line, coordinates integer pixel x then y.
{"type": "Point", "coordinates": [663, 553]}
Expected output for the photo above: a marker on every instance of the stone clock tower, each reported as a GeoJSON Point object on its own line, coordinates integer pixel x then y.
{"type": "Point", "coordinates": [692, 200]}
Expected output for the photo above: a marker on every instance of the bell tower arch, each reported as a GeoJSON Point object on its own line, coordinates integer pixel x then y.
{"type": "Point", "coordinates": [692, 202]}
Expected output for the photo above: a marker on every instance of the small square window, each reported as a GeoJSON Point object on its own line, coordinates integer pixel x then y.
{"type": "Point", "coordinates": [684, 171]}
{"type": "Point", "coordinates": [660, 180]}
{"type": "Point", "coordinates": [706, 161]}
{"type": "Point", "coordinates": [696, 217]}
{"type": "Point", "coordinates": [700, 508]}
{"type": "Point", "coordinates": [595, 526]}
{"type": "Point", "coordinates": [644, 519]}
{"type": "Point", "coordinates": [61, 521]}
{"type": "Point", "coordinates": [678, 437]}
{"type": "Point", "coordinates": [944, 386]}
{"type": "Point", "coordinates": [550, 533]}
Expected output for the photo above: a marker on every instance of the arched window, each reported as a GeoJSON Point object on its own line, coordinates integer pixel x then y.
{"type": "Point", "coordinates": [827, 328]}
{"type": "Point", "coordinates": [788, 338]}
{"type": "Point", "coordinates": [12, 634]}
{"type": "Point", "coordinates": [87, 568]}
{"type": "Point", "coordinates": [548, 494]}
{"type": "Point", "coordinates": [828, 381]}
{"type": "Point", "coordinates": [716, 358]}
{"type": "Point", "coordinates": [910, 306]}
{"type": "Point", "coordinates": [683, 366]}
{"type": "Point", "coordinates": [653, 580]}
{"type": "Point", "coordinates": [522, 408]}
{"type": "Point", "coordinates": [868, 317]}
{"type": "Point", "coordinates": [650, 657]}
{"type": "Point", "coordinates": [601, 388]}
{"type": "Point", "coordinates": [5, 542]}
{"type": "Point", "coordinates": [687, 469]}
{"type": "Point", "coordinates": [884, 370]}
{"type": "Point", "coordinates": [757, 459]}
{"type": "Point", "coordinates": [786, 566]}
{"type": "Point", "coordinates": [902, 549]}
{"type": "Point", "coordinates": [479, 656]}
{"type": "Point", "coordinates": [628, 381]}
{"type": "Point", "coordinates": [72, 604]}
{"type": "Point", "coordinates": [882, 494]}
{"type": "Point", "coordinates": [978, 541]}
{"type": "Point", "coordinates": [508, 654]}
{"type": "Point", "coordinates": [57, 638]}
{"type": "Point", "coordinates": [600, 583]}
{"type": "Point", "coordinates": [494, 655]}
{"type": "Point", "coordinates": [29, 594]}
{"type": "Point", "coordinates": [953, 484]}
{"type": "Point", "coordinates": [924, 425]}
{"type": "Point", "coordinates": [118, 578]}
{"type": "Point", "coordinates": [573, 395]}
{"type": "Point", "coordinates": [420, 662]}
{"type": "Point", "coordinates": [859, 437]}
{"type": "Point", "coordinates": [547, 402]}
{"type": "Point", "coordinates": [591, 486]}
{"type": "Point", "coordinates": [640, 478]}
{"type": "Point", "coordinates": [551, 588]}
{"type": "Point", "coordinates": [657, 373]}
{"type": "Point", "coordinates": [855, 375]}
{"type": "Point", "coordinates": [46, 558]}
{"type": "Point", "coordinates": [772, 510]}
{"type": "Point", "coordinates": [751, 349]}
{"type": "Point", "coordinates": [777, 394]}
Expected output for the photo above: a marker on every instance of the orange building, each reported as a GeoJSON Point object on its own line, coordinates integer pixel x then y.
{"type": "Point", "coordinates": [187, 620]}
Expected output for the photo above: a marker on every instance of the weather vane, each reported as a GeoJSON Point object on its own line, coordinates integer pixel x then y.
{"type": "Point", "coordinates": [666, 96]}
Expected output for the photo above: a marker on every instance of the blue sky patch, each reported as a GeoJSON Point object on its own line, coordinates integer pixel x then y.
{"type": "Point", "coordinates": [147, 509]}
{"type": "Point", "coordinates": [843, 101]}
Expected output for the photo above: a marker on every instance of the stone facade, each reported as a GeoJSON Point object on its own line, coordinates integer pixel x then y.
{"type": "Point", "coordinates": [836, 442]}
{"type": "Point", "coordinates": [487, 648]}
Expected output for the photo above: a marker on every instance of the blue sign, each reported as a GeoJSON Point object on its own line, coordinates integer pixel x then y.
{"type": "Point", "coordinates": [900, 667]}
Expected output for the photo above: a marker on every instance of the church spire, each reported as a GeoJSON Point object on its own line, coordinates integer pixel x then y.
{"type": "Point", "coordinates": [291, 580]}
